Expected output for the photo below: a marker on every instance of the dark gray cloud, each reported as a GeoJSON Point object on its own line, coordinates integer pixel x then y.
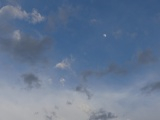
{"type": "Point", "coordinates": [146, 57]}
{"type": "Point", "coordinates": [69, 103]}
{"type": "Point", "coordinates": [48, 117]}
{"type": "Point", "coordinates": [83, 89]}
{"type": "Point", "coordinates": [36, 113]}
{"type": "Point", "coordinates": [26, 49]}
{"type": "Point", "coordinates": [51, 116]}
{"type": "Point", "coordinates": [56, 107]}
{"type": "Point", "coordinates": [54, 114]}
{"type": "Point", "coordinates": [31, 80]}
{"type": "Point", "coordinates": [112, 68]}
{"type": "Point", "coordinates": [102, 115]}
{"type": "Point", "coordinates": [151, 87]}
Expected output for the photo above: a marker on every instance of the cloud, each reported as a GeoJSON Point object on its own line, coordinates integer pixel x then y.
{"type": "Point", "coordinates": [102, 115]}
{"type": "Point", "coordinates": [83, 89]}
{"type": "Point", "coordinates": [64, 12]}
{"type": "Point", "coordinates": [133, 34]}
{"type": "Point", "coordinates": [24, 47]}
{"type": "Point", "coordinates": [93, 21]}
{"type": "Point", "coordinates": [48, 117]}
{"type": "Point", "coordinates": [14, 42]}
{"type": "Point", "coordinates": [69, 103]}
{"type": "Point", "coordinates": [117, 34]}
{"type": "Point", "coordinates": [64, 64]}
{"type": "Point", "coordinates": [36, 17]}
{"type": "Point", "coordinates": [85, 108]}
{"type": "Point", "coordinates": [16, 35]}
{"type": "Point", "coordinates": [31, 80]}
{"type": "Point", "coordinates": [10, 12]}
{"type": "Point", "coordinates": [14, 12]}
{"type": "Point", "coordinates": [112, 68]}
{"type": "Point", "coordinates": [146, 57]}
{"type": "Point", "coordinates": [38, 104]}
{"type": "Point", "coordinates": [62, 16]}
{"type": "Point", "coordinates": [151, 87]}
{"type": "Point", "coordinates": [62, 81]}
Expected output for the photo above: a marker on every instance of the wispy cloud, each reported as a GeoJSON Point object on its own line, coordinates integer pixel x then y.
{"type": "Point", "coordinates": [146, 57]}
{"type": "Point", "coordinates": [112, 68]}
{"type": "Point", "coordinates": [117, 34]}
{"type": "Point", "coordinates": [62, 16]}
{"type": "Point", "coordinates": [82, 89]}
{"type": "Point", "coordinates": [64, 12]}
{"type": "Point", "coordinates": [151, 87]}
{"type": "Point", "coordinates": [93, 21]}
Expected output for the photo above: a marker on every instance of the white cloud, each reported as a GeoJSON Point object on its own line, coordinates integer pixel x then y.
{"type": "Point", "coordinates": [16, 35]}
{"type": "Point", "coordinates": [16, 12]}
{"type": "Point", "coordinates": [62, 81]}
{"type": "Point", "coordinates": [64, 64]}
{"type": "Point", "coordinates": [85, 108]}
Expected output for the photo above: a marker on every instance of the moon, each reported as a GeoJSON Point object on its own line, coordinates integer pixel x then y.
{"type": "Point", "coordinates": [104, 35]}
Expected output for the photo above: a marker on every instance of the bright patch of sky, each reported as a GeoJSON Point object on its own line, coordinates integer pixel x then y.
{"type": "Point", "coordinates": [79, 60]}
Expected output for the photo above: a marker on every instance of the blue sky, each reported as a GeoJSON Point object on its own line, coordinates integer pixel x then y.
{"type": "Point", "coordinates": [79, 59]}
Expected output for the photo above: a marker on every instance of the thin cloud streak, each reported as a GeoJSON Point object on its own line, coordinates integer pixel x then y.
{"type": "Point", "coordinates": [112, 68]}
{"type": "Point", "coordinates": [151, 87]}
{"type": "Point", "coordinates": [146, 57]}
{"type": "Point", "coordinates": [102, 115]}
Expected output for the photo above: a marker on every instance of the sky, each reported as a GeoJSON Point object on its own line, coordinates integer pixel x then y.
{"type": "Point", "coordinates": [79, 59]}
